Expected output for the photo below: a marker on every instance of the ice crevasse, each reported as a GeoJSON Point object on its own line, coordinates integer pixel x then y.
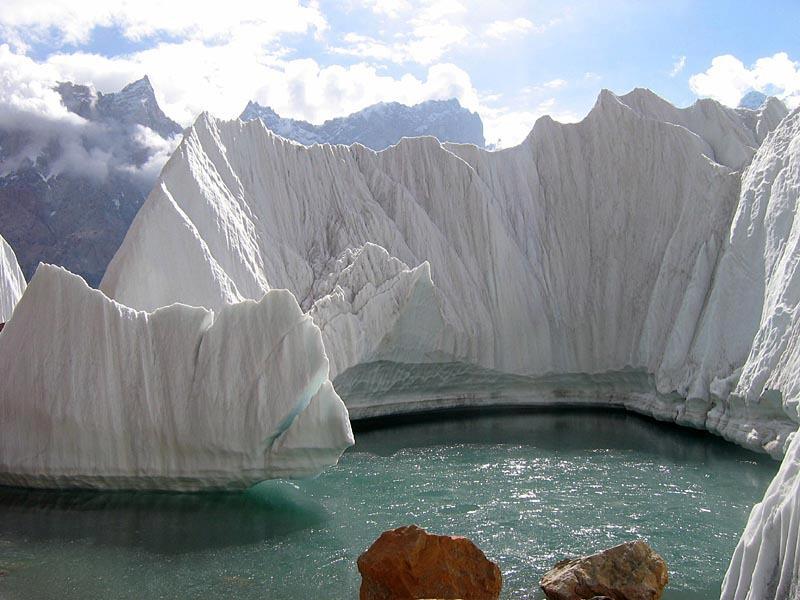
{"type": "Point", "coordinates": [98, 395]}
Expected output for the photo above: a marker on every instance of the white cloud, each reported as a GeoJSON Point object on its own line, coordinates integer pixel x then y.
{"type": "Point", "coordinates": [73, 22]}
{"type": "Point", "coordinates": [505, 127]}
{"type": "Point", "coordinates": [29, 104]}
{"type": "Point", "coordinates": [159, 148]}
{"type": "Point", "coordinates": [425, 31]}
{"type": "Point", "coordinates": [431, 11]}
{"type": "Point", "coordinates": [435, 28]}
{"type": "Point", "coordinates": [505, 29]}
{"type": "Point", "coordinates": [555, 84]}
{"type": "Point", "coordinates": [190, 77]}
{"type": "Point", "coordinates": [431, 41]}
{"type": "Point", "coordinates": [390, 8]}
{"type": "Point", "coordinates": [677, 66]}
{"type": "Point", "coordinates": [728, 79]}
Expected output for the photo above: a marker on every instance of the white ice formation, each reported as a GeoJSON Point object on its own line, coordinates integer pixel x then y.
{"type": "Point", "coordinates": [764, 263]}
{"type": "Point", "coordinates": [645, 257]}
{"type": "Point", "coordinates": [589, 249]}
{"type": "Point", "coordinates": [98, 395]}
{"type": "Point", "coordinates": [12, 282]}
{"type": "Point", "coordinates": [766, 562]}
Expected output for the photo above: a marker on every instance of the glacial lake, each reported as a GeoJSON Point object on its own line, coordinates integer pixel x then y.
{"type": "Point", "coordinates": [528, 487]}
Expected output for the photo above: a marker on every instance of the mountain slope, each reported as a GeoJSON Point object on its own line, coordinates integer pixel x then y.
{"type": "Point", "coordinates": [379, 126]}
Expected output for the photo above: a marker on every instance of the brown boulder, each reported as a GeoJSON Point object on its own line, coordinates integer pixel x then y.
{"type": "Point", "coordinates": [630, 571]}
{"type": "Point", "coordinates": [408, 563]}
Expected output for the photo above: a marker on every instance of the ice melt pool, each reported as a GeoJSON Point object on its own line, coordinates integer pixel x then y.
{"type": "Point", "coordinates": [528, 488]}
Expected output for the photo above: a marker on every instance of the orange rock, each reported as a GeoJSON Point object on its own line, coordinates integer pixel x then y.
{"type": "Point", "coordinates": [630, 571]}
{"type": "Point", "coordinates": [409, 563]}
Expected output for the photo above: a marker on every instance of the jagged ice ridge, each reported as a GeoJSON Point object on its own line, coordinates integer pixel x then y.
{"type": "Point", "coordinates": [578, 251]}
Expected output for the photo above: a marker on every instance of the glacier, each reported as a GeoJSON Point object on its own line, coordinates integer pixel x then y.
{"type": "Point", "coordinates": [12, 282]}
{"type": "Point", "coordinates": [766, 562]}
{"type": "Point", "coordinates": [576, 267]}
{"type": "Point", "coordinates": [763, 261]}
{"type": "Point", "coordinates": [98, 395]}
{"type": "Point", "coordinates": [646, 257]}
{"type": "Point", "coordinates": [578, 252]}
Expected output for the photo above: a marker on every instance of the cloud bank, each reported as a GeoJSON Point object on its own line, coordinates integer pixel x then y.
{"type": "Point", "coordinates": [728, 79]}
{"type": "Point", "coordinates": [40, 128]}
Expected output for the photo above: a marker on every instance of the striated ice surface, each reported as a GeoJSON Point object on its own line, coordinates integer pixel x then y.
{"type": "Point", "coordinates": [12, 282]}
{"type": "Point", "coordinates": [732, 135]}
{"type": "Point", "coordinates": [763, 261]}
{"type": "Point", "coordinates": [645, 257]}
{"type": "Point", "coordinates": [98, 395]}
{"type": "Point", "coordinates": [590, 248]}
{"type": "Point", "coordinates": [766, 562]}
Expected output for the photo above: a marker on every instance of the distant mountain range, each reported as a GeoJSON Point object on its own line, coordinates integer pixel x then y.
{"type": "Point", "coordinates": [380, 125]}
{"type": "Point", "coordinates": [69, 194]}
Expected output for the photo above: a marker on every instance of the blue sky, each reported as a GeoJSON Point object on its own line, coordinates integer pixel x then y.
{"type": "Point", "coordinates": [512, 61]}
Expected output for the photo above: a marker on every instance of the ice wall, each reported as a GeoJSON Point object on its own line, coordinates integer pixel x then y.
{"type": "Point", "coordinates": [590, 248]}
{"type": "Point", "coordinates": [98, 395]}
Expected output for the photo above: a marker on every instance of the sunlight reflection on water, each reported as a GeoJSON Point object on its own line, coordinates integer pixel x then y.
{"type": "Point", "coordinates": [529, 489]}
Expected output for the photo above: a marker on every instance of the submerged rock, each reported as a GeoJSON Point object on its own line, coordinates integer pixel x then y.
{"type": "Point", "coordinates": [630, 571]}
{"type": "Point", "coordinates": [408, 562]}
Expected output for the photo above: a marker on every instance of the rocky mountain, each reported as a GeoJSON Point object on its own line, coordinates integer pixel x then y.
{"type": "Point", "coordinates": [68, 195]}
{"type": "Point", "coordinates": [135, 104]}
{"type": "Point", "coordinates": [379, 126]}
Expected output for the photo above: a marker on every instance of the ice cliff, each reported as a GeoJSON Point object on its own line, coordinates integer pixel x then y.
{"type": "Point", "coordinates": [12, 282]}
{"type": "Point", "coordinates": [766, 562]}
{"type": "Point", "coordinates": [645, 257]}
{"type": "Point", "coordinates": [762, 267]}
{"type": "Point", "coordinates": [98, 395]}
{"type": "Point", "coordinates": [590, 248]}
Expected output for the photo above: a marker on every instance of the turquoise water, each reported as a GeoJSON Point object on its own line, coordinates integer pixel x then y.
{"type": "Point", "coordinates": [528, 488]}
